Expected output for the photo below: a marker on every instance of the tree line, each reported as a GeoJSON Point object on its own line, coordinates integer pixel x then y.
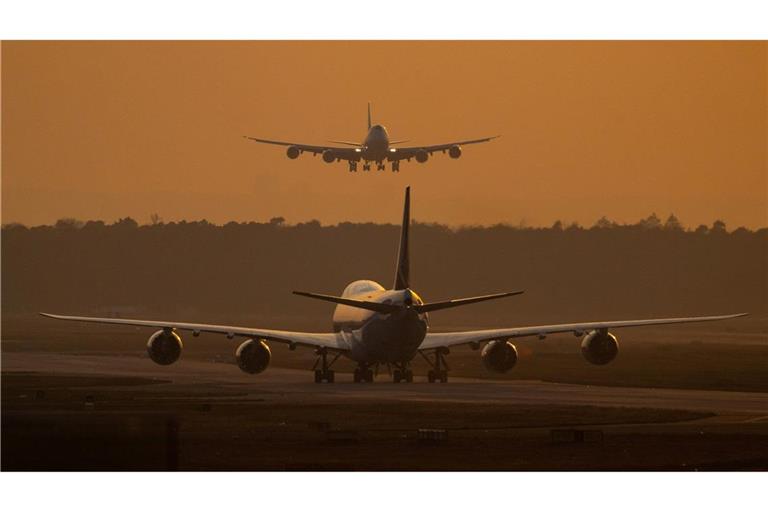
{"type": "Point", "coordinates": [246, 271]}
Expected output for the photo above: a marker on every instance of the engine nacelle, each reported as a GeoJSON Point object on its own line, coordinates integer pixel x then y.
{"type": "Point", "coordinates": [292, 152]}
{"type": "Point", "coordinates": [422, 156]}
{"type": "Point", "coordinates": [164, 347]}
{"type": "Point", "coordinates": [454, 151]}
{"type": "Point", "coordinates": [600, 347]}
{"type": "Point", "coordinates": [253, 356]}
{"type": "Point", "coordinates": [329, 156]}
{"type": "Point", "coordinates": [499, 356]}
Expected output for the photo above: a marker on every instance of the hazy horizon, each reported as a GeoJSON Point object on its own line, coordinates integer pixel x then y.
{"type": "Point", "coordinates": [105, 130]}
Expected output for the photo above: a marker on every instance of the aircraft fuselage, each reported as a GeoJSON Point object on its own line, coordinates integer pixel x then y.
{"type": "Point", "coordinates": [376, 144]}
{"type": "Point", "coordinates": [377, 337]}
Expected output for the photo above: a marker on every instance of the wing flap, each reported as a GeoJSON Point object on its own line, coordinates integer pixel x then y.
{"type": "Point", "coordinates": [447, 339]}
{"type": "Point", "coordinates": [329, 340]}
{"type": "Point", "coordinates": [343, 153]}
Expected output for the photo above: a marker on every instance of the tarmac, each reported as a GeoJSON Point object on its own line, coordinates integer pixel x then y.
{"type": "Point", "coordinates": [284, 385]}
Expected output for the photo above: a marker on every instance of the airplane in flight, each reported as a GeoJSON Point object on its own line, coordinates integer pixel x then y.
{"type": "Point", "coordinates": [374, 326]}
{"type": "Point", "coordinates": [377, 147]}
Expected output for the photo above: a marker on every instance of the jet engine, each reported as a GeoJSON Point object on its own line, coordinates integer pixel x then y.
{"type": "Point", "coordinates": [454, 151]}
{"type": "Point", "coordinates": [292, 152]}
{"type": "Point", "coordinates": [164, 347]}
{"type": "Point", "coordinates": [499, 356]}
{"type": "Point", "coordinates": [599, 347]}
{"type": "Point", "coordinates": [422, 156]}
{"type": "Point", "coordinates": [253, 356]}
{"type": "Point", "coordinates": [329, 156]}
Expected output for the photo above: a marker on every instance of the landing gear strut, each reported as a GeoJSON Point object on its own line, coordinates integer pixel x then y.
{"type": "Point", "coordinates": [396, 166]}
{"type": "Point", "coordinates": [352, 166]}
{"type": "Point", "coordinates": [439, 371]}
{"type": "Point", "coordinates": [324, 373]}
{"type": "Point", "coordinates": [380, 166]}
{"type": "Point", "coordinates": [366, 167]}
{"type": "Point", "coordinates": [402, 373]}
{"type": "Point", "coordinates": [363, 373]}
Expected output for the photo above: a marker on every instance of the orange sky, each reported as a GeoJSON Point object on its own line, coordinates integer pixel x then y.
{"type": "Point", "coordinates": [98, 130]}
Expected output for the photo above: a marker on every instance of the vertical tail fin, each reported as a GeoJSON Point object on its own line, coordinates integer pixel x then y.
{"type": "Point", "coordinates": [369, 115]}
{"type": "Point", "coordinates": [402, 274]}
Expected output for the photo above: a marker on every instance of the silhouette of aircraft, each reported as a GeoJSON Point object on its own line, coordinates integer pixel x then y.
{"type": "Point", "coordinates": [373, 326]}
{"type": "Point", "coordinates": [377, 147]}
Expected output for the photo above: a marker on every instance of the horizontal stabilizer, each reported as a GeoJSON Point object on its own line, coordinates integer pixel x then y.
{"type": "Point", "coordinates": [435, 306]}
{"type": "Point", "coordinates": [392, 308]}
{"type": "Point", "coordinates": [363, 304]}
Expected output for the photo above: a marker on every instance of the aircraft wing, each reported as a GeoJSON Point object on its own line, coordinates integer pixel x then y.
{"type": "Point", "coordinates": [410, 152]}
{"type": "Point", "coordinates": [448, 339]}
{"type": "Point", "coordinates": [344, 153]}
{"type": "Point", "coordinates": [333, 341]}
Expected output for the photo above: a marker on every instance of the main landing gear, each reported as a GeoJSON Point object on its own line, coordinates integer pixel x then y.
{"type": "Point", "coordinates": [366, 166]}
{"type": "Point", "coordinates": [439, 371]}
{"type": "Point", "coordinates": [363, 373]}
{"type": "Point", "coordinates": [396, 166]}
{"type": "Point", "coordinates": [324, 373]}
{"type": "Point", "coordinates": [380, 166]}
{"type": "Point", "coordinates": [352, 166]}
{"type": "Point", "coordinates": [402, 372]}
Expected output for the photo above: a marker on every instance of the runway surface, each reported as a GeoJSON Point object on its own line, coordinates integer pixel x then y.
{"type": "Point", "coordinates": [283, 385]}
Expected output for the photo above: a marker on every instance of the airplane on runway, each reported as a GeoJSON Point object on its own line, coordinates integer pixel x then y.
{"type": "Point", "coordinates": [374, 326]}
{"type": "Point", "coordinates": [375, 148]}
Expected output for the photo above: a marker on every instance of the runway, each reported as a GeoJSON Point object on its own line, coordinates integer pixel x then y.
{"type": "Point", "coordinates": [297, 386]}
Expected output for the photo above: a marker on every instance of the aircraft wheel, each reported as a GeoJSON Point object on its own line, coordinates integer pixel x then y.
{"type": "Point", "coordinates": [357, 375]}
{"type": "Point", "coordinates": [431, 376]}
{"type": "Point", "coordinates": [396, 376]}
{"type": "Point", "coordinates": [408, 376]}
{"type": "Point", "coordinates": [443, 376]}
{"type": "Point", "coordinates": [329, 376]}
{"type": "Point", "coordinates": [318, 376]}
{"type": "Point", "coordinates": [369, 375]}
